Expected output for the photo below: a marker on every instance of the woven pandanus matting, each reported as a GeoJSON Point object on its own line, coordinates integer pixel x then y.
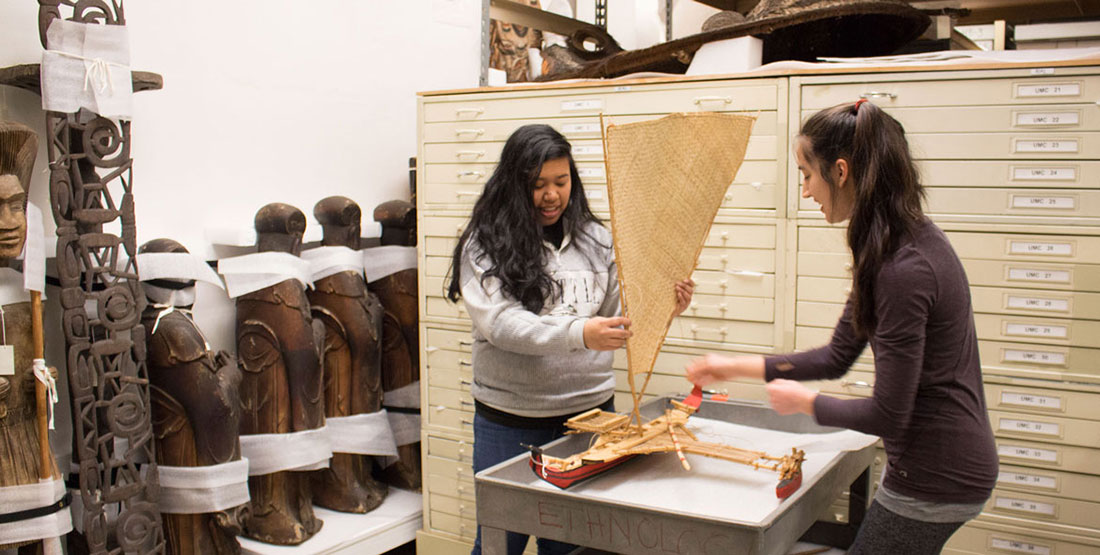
{"type": "Point", "coordinates": [666, 179]}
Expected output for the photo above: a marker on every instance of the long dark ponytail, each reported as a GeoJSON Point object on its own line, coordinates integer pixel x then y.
{"type": "Point", "coordinates": [504, 221]}
{"type": "Point", "coordinates": [887, 193]}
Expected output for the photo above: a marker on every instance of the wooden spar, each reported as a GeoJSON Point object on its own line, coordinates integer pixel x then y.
{"type": "Point", "coordinates": [45, 460]}
{"type": "Point", "coordinates": [676, 442]}
{"type": "Point", "coordinates": [635, 395]}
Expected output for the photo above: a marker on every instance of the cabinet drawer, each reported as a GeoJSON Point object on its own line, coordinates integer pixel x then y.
{"type": "Point", "coordinates": [823, 239]}
{"type": "Point", "coordinates": [1041, 248]}
{"type": "Point", "coordinates": [1033, 275]}
{"type": "Point", "coordinates": [444, 226]}
{"type": "Point", "coordinates": [1070, 485]}
{"type": "Point", "coordinates": [469, 175]}
{"type": "Point", "coordinates": [976, 538]}
{"type": "Point", "coordinates": [1047, 455]}
{"type": "Point", "coordinates": [441, 466]}
{"type": "Point", "coordinates": [572, 128]}
{"type": "Point", "coordinates": [458, 379]}
{"type": "Point", "coordinates": [1085, 306]}
{"type": "Point", "coordinates": [454, 506]}
{"type": "Point", "coordinates": [721, 331]}
{"type": "Point", "coordinates": [747, 263]}
{"type": "Point", "coordinates": [450, 398]}
{"type": "Point", "coordinates": [969, 119]}
{"type": "Point", "coordinates": [807, 337]}
{"type": "Point", "coordinates": [731, 308]}
{"type": "Point", "coordinates": [821, 289]}
{"type": "Point", "coordinates": [1042, 509]}
{"type": "Point", "coordinates": [856, 383]}
{"type": "Point", "coordinates": [835, 265]}
{"type": "Point", "coordinates": [741, 236]}
{"type": "Point", "coordinates": [1046, 331]}
{"type": "Point", "coordinates": [995, 146]}
{"type": "Point", "coordinates": [455, 194]}
{"type": "Point", "coordinates": [961, 92]}
{"type": "Point", "coordinates": [442, 308]}
{"type": "Point", "coordinates": [1034, 400]}
{"type": "Point", "coordinates": [1063, 431]}
{"type": "Point", "coordinates": [659, 384]}
{"type": "Point", "coordinates": [450, 340]}
{"type": "Point", "coordinates": [821, 315]}
{"type": "Point", "coordinates": [451, 420]}
{"type": "Point", "coordinates": [1039, 361]}
{"type": "Point", "coordinates": [709, 282]}
{"type": "Point", "coordinates": [459, 451]}
{"type": "Point", "coordinates": [1077, 174]}
{"type": "Point", "coordinates": [1058, 203]}
{"type": "Point", "coordinates": [745, 96]}
{"type": "Point", "coordinates": [465, 528]}
{"type": "Point", "coordinates": [450, 485]}
{"type": "Point", "coordinates": [437, 266]}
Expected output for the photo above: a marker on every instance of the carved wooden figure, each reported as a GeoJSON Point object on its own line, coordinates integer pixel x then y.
{"type": "Point", "coordinates": [400, 338]}
{"type": "Point", "coordinates": [196, 406]}
{"type": "Point", "coordinates": [352, 316]}
{"type": "Point", "coordinates": [281, 389]}
{"type": "Point", "coordinates": [20, 458]}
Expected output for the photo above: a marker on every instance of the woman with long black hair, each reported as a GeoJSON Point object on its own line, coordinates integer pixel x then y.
{"type": "Point", "coordinates": [537, 274]}
{"type": "Point", "coordinates": [911, 301]}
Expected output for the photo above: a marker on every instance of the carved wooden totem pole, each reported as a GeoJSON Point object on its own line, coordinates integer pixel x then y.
{"type": "Point", "coordinates": [91, 188]}
{"type": "Point", "coordinates": [196, 416]}
{"type": "Point", "coordinates": [400, 337]}
{"type": "Point", "coordinates": [352, 316]}
{"type": "Point", "coordinates": [25, 458]}
{"type": "Point", "coordinates": [282, 388]}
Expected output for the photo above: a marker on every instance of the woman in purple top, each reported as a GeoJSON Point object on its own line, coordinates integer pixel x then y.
{"type": "Point", "coordinates": [910, 301]}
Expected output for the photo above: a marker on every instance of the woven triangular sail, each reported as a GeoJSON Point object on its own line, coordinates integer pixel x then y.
{"type": "Point", "coordinates": [666, 179]}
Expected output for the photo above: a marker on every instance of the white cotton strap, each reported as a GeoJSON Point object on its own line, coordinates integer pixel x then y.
{"type": "Point", "coordinates": [169, 297]}
{"type": "Point", "coordinates": [46, 527]}
{"type": "Point", "coordinates": [175, 265]}
{"type": "Point", "coordinates": [34, 252]}
{"type": "Point", "coordinates": [362, 434]}
{"type": "Point", "coordinates": [252, 272]}
{"type": "Point", "coordinates": [406, 396]}
{"type": "Point", "coordinates": [12, 289]}
{"type": "Point", "coordinates": [298, 451]}
{"type": "Point", "coordinates": [43, 375]}
{"type": "Point", "coordinates": [87, 66]}
{"type": "Point", "coordinates": [203, 489]}
{"type": "Point", "coordinates": [327, 261]}
{"type": "Point", "coordinates": [406, 427]}
{"type": "Point", "coordinates": [380, 262]}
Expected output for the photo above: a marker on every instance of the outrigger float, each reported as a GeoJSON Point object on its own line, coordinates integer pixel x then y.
{"type": "Point", "coordinates": [662, 205]}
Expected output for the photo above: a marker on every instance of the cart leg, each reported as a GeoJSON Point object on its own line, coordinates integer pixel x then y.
{"type": "Point", "coordinates": [493, 541]}
{"type": "Point", "coordinates": [842, 535]}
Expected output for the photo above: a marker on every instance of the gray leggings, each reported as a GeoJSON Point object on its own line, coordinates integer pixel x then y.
{"type": "Point", "coordinates": [887, 533]}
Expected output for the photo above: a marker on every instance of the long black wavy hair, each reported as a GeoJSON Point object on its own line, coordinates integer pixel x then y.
{"type": "Point", "coordinates": [886, 189]}
{"type": "Point", "coordinates": [505, 223]}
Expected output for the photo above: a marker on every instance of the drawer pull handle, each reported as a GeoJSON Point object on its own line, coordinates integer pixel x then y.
{"type": "Point", "coordinates": [440, 408]}
{"type": "Point", "coordinates": [467, 193]}
{"type": "Point", "coordinates": [464, 343]}
{"type": "Point", "coordinates": [471, 173]}
{"type": "Point", "coordinates": [464, 363]}
{"type": "Point", "coordinates": [474, 153]}
{"type": "Point", "coordinates": [756, 185]}
{"type": "Point", "coordinates": [464, 382]}
{"type": "Point", "coordinates": [475, 111]}
{"type": "Point", "coordinates": [465, 403]}
{"type": "Point", "coordinates": [465, 423]}
{"type": "Point", "coordinates": [859, 383]}
{"type": "Point", "coordinates": [728, 197]}
{"type": "Point", "coordinates": [430, 349]}
{"type": "Point", "coordinates": [725, 236]}
{"type": "Point", "coordinates": [878, 94]}
{"type": "Point", "coordinates": [696, 329]}
{"type": "Point", "coordinates": [746, 273]}
{"type": "Point", "coordinates": [474, 132]}
{"type": "Point", "coordinates": [723, 99]}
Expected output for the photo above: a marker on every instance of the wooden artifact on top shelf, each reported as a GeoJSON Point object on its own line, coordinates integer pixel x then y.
{"type": "Point", "coordinates": [352, 317]}
{"type": "Point", "coordinates": [282, 389]}
{"type": "Point", "coordinates": [661, 203]}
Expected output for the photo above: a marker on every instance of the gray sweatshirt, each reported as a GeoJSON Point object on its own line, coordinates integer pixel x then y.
{"type": "Point", "coordinates": [536, 365]}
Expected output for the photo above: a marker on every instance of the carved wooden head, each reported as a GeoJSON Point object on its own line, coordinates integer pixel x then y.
{"type": "Point", "coordinates": [279, 228]}
{"type": "Point", "coordinates": [18, 149]}
{"type": "Point", "coordinates": [341, 220]}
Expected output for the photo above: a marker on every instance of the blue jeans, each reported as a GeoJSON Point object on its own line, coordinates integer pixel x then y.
{"type": "Point", "coordinates": [494, 443]}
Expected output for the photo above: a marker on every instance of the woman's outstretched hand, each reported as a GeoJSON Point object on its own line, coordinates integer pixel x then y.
{"type": "Point", "coordinates": [791, 397]}
{"type": "Point", "coordinates": [606, 334]}
{"type": "Point", "coordinates": [717, 368]}
{"type": "Point", "coordinates": [684, 290]}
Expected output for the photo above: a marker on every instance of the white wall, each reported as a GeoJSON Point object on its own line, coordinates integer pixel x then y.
{"type": "Point", "coordinates": [267, 101]}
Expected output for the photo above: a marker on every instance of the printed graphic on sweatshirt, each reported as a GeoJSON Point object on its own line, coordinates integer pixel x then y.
{"type": "Point", "coordinates": [580, 293]}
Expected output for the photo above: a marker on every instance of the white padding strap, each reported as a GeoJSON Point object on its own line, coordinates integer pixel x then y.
{"type": "Point", "coordinates": [326, 261]}
{"type": "Point", "coordinates": [380, 262]}
{"type": "Point", "coordinates": [362, 434]}
{"type": "Point", "coordinates": [12, 289]}
{"type": "Point", "coordinates": [87, 66]}
{"type": "Point", "coordinates": [175, 265]}
{"type": "Point", "coordinates": [406, 396]}
{"type": "Point", "coordinates": [42, 374]}
{"type": "Point", "coordinates": [406, 428]}
{"type": "Point", "coordinates": [252, 272]}
{"type": "Point", "coordinates": [33, 496]}
{"type": "Point", "coordinates": [298, 451]}
{"type": "Point", "coordinates": [34, 252]}
{"type": "Point", "coordinates": [203, 489]}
